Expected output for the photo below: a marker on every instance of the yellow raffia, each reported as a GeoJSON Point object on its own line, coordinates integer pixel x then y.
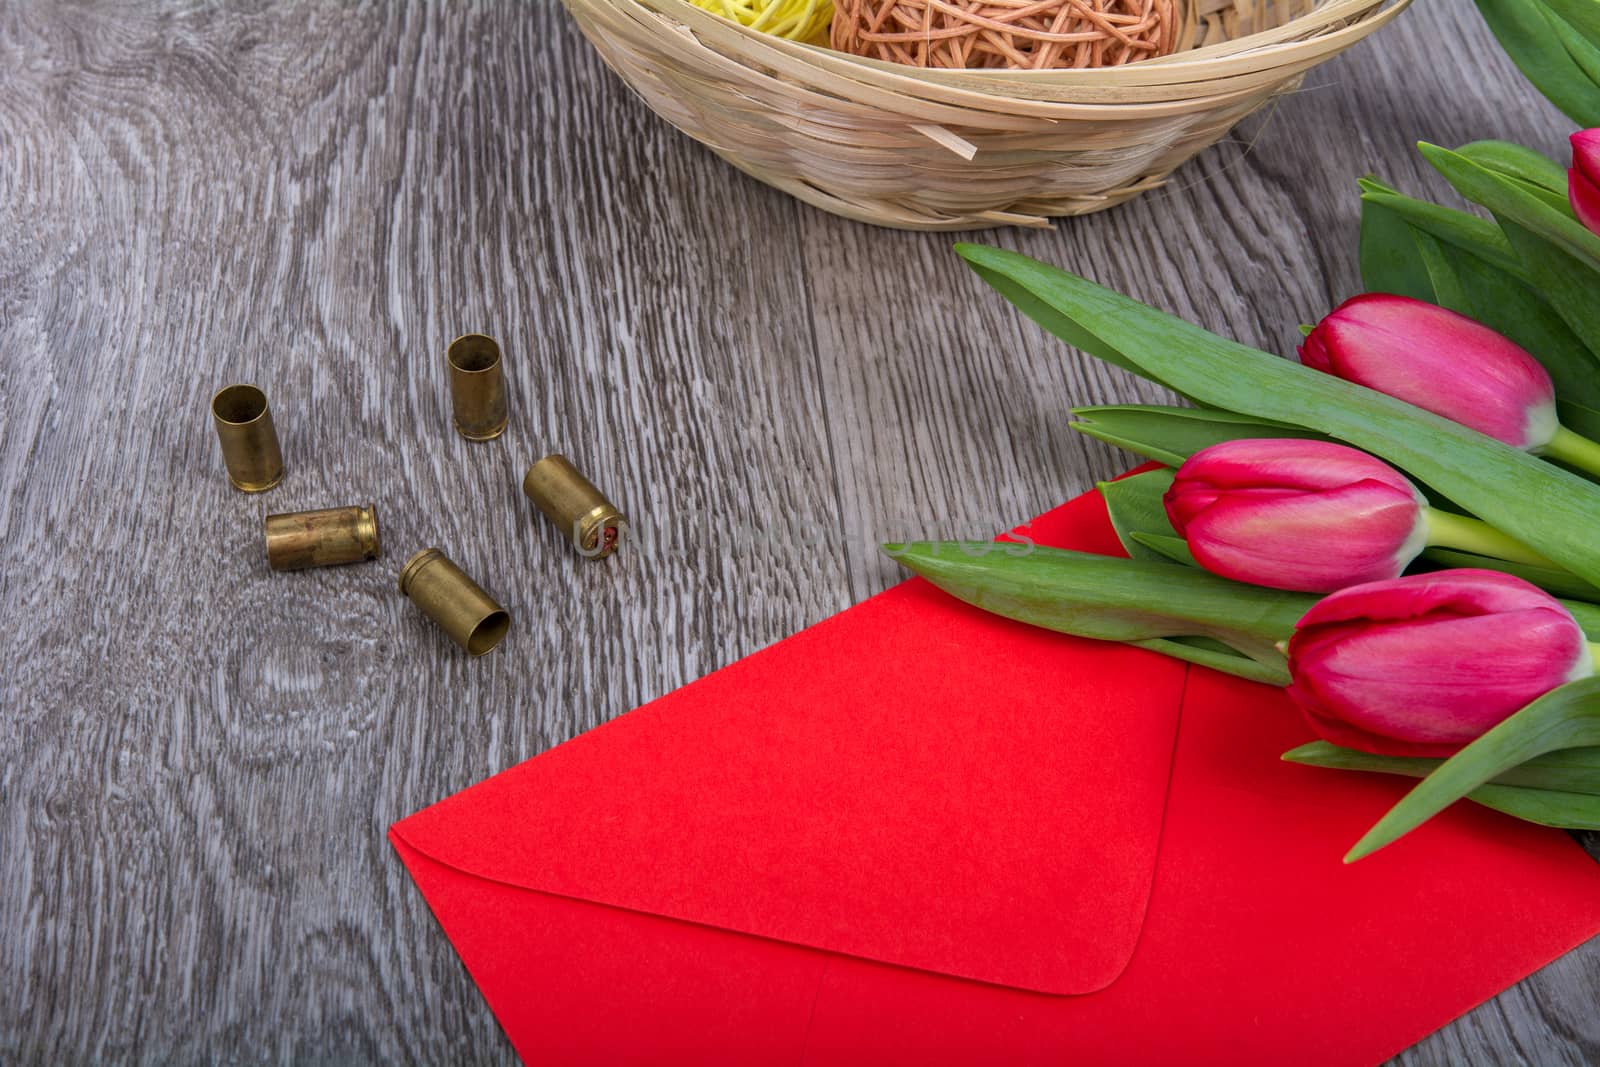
{"type": "Point", "coordinates": [796, 20]}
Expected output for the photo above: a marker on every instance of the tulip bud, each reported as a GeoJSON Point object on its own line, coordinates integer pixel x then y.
{"type": "Point", "coordinates": [1439, 361]}
{"type": "Point", "coordinates": [1312, 516]}
{"type": "Point", "coordinates": [1292, 514]}
{"type": "Point", "coordinates": [1421, 665]}
{"type": "Point", "coordinates": [1583, 180]}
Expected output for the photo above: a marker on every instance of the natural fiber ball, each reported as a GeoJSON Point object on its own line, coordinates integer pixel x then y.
{"type": "Point", "coordinates": [797, 20]}
{"type": "Point", "coordinates": [1022, 34]}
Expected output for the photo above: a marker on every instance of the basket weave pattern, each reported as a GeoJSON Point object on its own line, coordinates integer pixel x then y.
{"type": "Point", "coordinates": [937, 149]}
{"type": "Point", "coordinates": [1019, 34]}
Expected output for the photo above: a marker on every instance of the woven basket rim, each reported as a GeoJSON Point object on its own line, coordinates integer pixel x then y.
{"type": "Point", "coordinates": [926, 149]}
{"type": "Point", "coordinates": [1232, 70]}
{"type": "Point", "coordinates": [1268, 49]}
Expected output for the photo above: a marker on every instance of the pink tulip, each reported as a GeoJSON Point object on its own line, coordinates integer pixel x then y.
{"type": "Point", "coordinates": [1421, 665]}
{"type": "Point", "coordinates": [1291, 514]}
{"type": "Point", "coordinates": [1583, 180]}
{"type": "Point", "coordinates": [1314, 516]}
{"type": "Point", "coordinates": [1440, 361]}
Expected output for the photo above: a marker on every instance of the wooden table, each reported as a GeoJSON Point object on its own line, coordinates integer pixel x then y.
{"type": "Point", "coordinates": [200, 756]}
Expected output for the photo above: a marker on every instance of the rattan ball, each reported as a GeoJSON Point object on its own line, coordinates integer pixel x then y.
{"type": "Point", "coordinates": [1020, 34]}
{"type": "Point", "coordinates": [797, 20]}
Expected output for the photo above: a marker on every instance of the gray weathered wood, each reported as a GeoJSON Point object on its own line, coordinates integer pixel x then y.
{"type": "Point", "coordinates": [198, 757]}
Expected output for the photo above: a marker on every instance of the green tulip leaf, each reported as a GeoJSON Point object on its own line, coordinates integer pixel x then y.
{"type": "Point", "coordinates": [1484, 477]}
{"type": "Point", "coordinates": [1565, 718]}
{"type": "Point", "coordinates": [1169, 547]}
{"type": "Point", "coordinates": [1115, 599]}
{"type": "Point", "coordinates": [1519, 161]}
{"type": "Point", "coordinates": [1535, 320]}
{"type": "Point", "coordinates": [1399, 257]}
{"type": "Point", "coordinates": [1525, 29]}
{"type": "Point", "coordinates": [1171, 435]}
{"type": "Point", "coordinates": [1053, 321]}
{"type": "Point", "coordinates": [1580, 49]}
{"type": "Point", "coordinates": [1513, 199]}
{"type": "Point", "coordinates": [1575, 770]}
{"type": "Point", "coordinates": [1458, 229]}
{"type": "Point", "coordinates": [1570, 290]}
{"type": "Point", "coordinates": [1214, 654]}
{"type": "Point", "coordinates": [1449, 292]}
{"type": "Point", "coordinates": [1392, 259]}
{"type": "Point", "coordinates": [1135, 506]}
{"type": "Point", "coordinates": [1587, 616]}
{"type": "Point", "coordinates": [1582, 15]}
{"type": "Point", "coordinates": [1545, 807]}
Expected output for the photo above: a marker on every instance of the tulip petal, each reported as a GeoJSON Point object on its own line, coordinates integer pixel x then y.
{"type": "Point", "coordinates": [1423, 664]}
{"type": "Point", "coordinates": [1310, 541]}
{"type": "Point", "coordinates": [1346, 735]}
{"type": "Point", "coordinates": [1461, 592]}
{"type": "Point", "coordinates": [1439, 361]}
{"type": "Point", "coordinates": [1295, 514]}
{"type": "Point", "coordinates": [1553, 581]}
{"type": "Point", "coordinates": [1585, 197]}
{"type": "Point", "coordinates": [1434, 681]}
{"type": "Point", "coordinates": [1586, 153]}
{"type": "Point", "coordinates": [1292, 463]}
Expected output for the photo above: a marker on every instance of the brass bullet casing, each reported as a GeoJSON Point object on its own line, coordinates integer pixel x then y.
{"type": "Point", "coordinates": [580, 511]}
{"type": "Point", "coordinates": [477, 387]}
{"type": "Point", "coordinates": [249, 441]}
{"type": "Point", "coordinates": [464, 611]}
{"type": "Point", "coordinates": [300, 539]}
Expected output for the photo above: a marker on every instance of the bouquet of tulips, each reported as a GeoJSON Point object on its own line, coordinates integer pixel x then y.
{"type": "Point", "coordinates": [1400, 526]}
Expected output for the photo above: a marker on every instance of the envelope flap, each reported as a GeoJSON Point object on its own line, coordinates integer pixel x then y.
{"type": "Point", "coordinates": [871, 786]}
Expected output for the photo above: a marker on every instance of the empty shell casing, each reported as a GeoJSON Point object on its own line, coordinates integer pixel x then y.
{"type": "Point", "coordinates": [249, 441]}
{"type": "Point", "coordinates": [464, 611]}
{"type": "Point", "coordinates": [580, 511]}
{"type": "Point", "coordinates": [300, 539]}
{"type": "Point", "coordinates": [477, 387]}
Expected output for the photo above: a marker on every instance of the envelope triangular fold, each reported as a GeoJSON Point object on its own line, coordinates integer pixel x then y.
{"type": "Point", "coordinates": [909, 782]}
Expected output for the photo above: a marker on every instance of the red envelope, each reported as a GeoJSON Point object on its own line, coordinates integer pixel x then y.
{"type": "Point", "coordinates": [917, 833]}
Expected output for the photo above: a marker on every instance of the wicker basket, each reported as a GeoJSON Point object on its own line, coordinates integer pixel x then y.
{"type": "Point", "coordinates": [962, 149]}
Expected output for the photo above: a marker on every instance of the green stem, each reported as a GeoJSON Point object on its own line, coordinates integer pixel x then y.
{"type": "Point", "coordinates": [1575, 450]}
{"type": "Point", "coordinates": [1448, 530]}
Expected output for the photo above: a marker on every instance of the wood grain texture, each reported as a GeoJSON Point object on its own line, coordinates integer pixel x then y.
{"type": "Point", "coordinates": [198, 757]}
